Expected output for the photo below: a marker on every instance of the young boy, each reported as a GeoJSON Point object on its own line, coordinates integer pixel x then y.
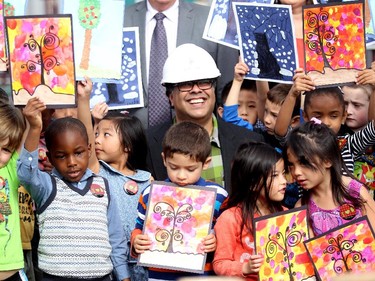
{"type": "Point", "coordinates": [12, 127]}
{"type": "Point", "coordinates": [186, 152]}
{"type": "Point", "coordinates": [79, 233]}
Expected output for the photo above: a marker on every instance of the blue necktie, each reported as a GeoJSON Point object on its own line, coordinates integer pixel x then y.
{"type": "Point", "coordinates": [158, 103]}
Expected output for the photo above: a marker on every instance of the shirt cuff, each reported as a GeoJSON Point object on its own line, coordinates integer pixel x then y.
{"type": "Point", "coordinates": [122, 272]}
{"type": "Point", "coordinates": [30, 158]}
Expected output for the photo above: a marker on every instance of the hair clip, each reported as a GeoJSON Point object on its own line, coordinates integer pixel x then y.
{"type": "Point", "coordinates": [124, 112]}
{"type": "Point", "coordinates": [316, 121]}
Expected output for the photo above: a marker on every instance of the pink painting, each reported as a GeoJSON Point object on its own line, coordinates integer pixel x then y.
{"type": "Point", "coordinates": [41, 59]}
{"type": "Point", "coordinates": [177, 220]}
{"type": "Point", "coordinates": [279, 238]}
{"type": "Point", "coordinates": [3, 66]}
{"type": "Point", "coordinates": [350, 247]}
{"type": "Point", "coordinates": [334, 42]}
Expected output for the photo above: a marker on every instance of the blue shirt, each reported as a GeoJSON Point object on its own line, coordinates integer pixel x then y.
{"type": "Point", "coordinates": [39, 185]}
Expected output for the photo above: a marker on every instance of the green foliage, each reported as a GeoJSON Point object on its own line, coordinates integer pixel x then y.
{"type": "Point", "coordinates": [89, 13]}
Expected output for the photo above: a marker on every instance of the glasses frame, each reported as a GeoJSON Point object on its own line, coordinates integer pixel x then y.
{"type": "Point", "coordinates": [196, 82]}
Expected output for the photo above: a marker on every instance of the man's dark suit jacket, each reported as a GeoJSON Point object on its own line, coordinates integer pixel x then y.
{"type": "Point", "coordinates": [230, 137]}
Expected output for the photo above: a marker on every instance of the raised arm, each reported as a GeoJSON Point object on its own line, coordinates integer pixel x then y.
{"type": "Point", "coordinates": [240, 71]}
{"type": "Point", "coordinates": [33, 113]}
{"type": "Point", "coordinates": [84, 88]}
{"type": "Point", "coordinates": [302, 83]}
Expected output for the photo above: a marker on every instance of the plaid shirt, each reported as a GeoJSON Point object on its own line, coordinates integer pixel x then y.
{"type": "Point", "coordinates": [215, 171]}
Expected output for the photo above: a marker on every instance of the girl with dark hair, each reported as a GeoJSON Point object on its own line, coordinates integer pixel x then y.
{"type": "Point", "coordinates": [120, 157]}
{"type": "Point", "coordinates": [314, 160]}
{"type": "Point", "coordinates": [257, 188]}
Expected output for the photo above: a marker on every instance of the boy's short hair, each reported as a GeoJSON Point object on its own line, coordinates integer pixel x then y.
{"type": "Point", "coordinates": [278, 93]}
{"type": "Point", "coordinates": [247, 84]}
{"type": "Point", "coordinates": [334, 92]}
{"type": "Point", "coordinates": [62, 125]}
{"type": "Point", "coordinates": [187, 138]}
{"type": "Point", "coordinates": [368, 89]}
{"type": "Point", "coordinates": [12, 125]}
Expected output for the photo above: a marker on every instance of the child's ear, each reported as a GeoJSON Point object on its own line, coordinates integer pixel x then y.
{"type": "Point", "coordinates": [162, 157]}
{"type": "Point", "coordinates": [295, 121]}
{"type": "Point", "coordinates": [207, 163]}
{"type": "Point", "coordinates": [327, 164]}
{"type": "Point", "coordinates": [344, 117]}
{"type": "Point", "coordinates": [89, 149]}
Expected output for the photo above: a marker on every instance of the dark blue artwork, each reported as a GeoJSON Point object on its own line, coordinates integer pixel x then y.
{"type": "Point", "coordinates": [127, 92]}
{"type": "Point", "coordinates": [267, 41]}
{"type": "Point", "coordinates": [221, 26]}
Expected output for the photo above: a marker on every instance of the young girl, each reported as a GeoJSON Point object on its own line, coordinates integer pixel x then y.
{"type": "Point", "coordinates": [120, 157]}
{"type": "Point", "coordinates": [314, 160]}
{"type": "Point", "coordinates": [258, 187]}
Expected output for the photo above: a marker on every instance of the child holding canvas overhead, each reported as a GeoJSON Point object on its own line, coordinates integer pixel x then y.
{"type": "Point", "coordinates": [186, 152]}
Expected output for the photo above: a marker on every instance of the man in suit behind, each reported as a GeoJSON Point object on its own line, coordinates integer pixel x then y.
{"type": "Point", "coordinates": [190, 76]}
{"type": "Point", "coordinates": [184, 23]}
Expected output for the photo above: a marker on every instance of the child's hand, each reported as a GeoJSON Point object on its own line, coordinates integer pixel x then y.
{"type": "Point", "coordinates": [141, 243]}
{"type": "Point", "coordinates": [366, 76]}
{"type": "Point", "coordinates": [33, 112]}
{"type": "Point", "coordinates": [209, 243]}
{"type": "Point", "coordinates": [99, 111]}
{"type": "Point", "coordinates": [253, 265]}
{"type": "Point", "coordinates": [240, 70]}
{"type": "Point", "coordinates": [84, 88]}
{"type": "Point", "coordinates": [301, 83]}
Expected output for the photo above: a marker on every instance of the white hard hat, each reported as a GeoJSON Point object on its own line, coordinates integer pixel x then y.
{"type": "Point", "coordinates": [189, 62]}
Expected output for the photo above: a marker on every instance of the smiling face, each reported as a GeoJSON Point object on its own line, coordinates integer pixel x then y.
{"type": "Point", "coordinates": [5, 152]}
{"type": "Point", "coordinates": [70, 155]}
{"type": "Point", "coordinates": [195, 105]}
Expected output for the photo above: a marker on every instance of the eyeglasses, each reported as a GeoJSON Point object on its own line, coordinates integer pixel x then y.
{"type": "Point", "coordinates": [203, 84]}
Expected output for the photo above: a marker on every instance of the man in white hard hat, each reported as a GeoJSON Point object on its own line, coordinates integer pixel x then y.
{"type": "Point", "coordinates": [190, 75]}
{"type": "Point", "coordinates": [184, 23]}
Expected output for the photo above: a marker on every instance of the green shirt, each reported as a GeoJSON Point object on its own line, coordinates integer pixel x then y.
{"type": "Point", "coordinates": [11, 255]}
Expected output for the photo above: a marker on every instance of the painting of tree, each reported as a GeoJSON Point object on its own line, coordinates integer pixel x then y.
{"type": "Point", "coordinates": [177, 219]}
{"type": "Point", "coordinates": [9, 9]}
{"type": "Point", "coordinates": [334, 42]}
{"type": "Point", "coordinates": [89, 18]}
{"type": "Point", "coordinates": [41, 59]}
{"type": "Point", "coordinates": [267, 41]}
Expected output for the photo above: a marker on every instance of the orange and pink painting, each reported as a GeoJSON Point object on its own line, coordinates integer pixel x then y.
{"type": "Point", "coordinates": [41, 59]}
{"type": "Point", "coordinates": [334, 42]}
{"type": "Point", "coordinates": [279, 238]}
{"type": "Point", "coordinates": [349, 247]}
{"type": "Point", "coordinates": [177, 220]}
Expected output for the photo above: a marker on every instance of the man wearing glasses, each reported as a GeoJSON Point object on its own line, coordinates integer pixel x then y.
{"type": "Point", "coordinates": [190, 75]}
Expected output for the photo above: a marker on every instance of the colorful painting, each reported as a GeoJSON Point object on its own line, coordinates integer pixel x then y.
{"type": "Point", "coordinates": [177, 220]}
{"type": "Point", "coordinates": [97, 37]}
{"type": "Point", "coordinates": [3, 65]}
{"type": "Point", "coordinates": [15, 7]}
{"type": "Point", "coordinates": [127, 92]}
{"type": "Point", "coordinates": [41, 59]}
{"type": "Point", "coordinates": [267, 41]}
{"type": "Point", "coordinates": [221, 26]}
{"type": "Point", "coordinates": [349, 247]}
{"type": "Point", "coordinates": [279, 237]}
{"type": "Point", "coordinates": [334, 42]}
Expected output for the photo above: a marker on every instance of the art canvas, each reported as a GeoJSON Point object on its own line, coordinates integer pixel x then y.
{"type": "Point", "coordinates": [221, 26]}
{"type": "Point", "coordinates": [40, 51]}
{"type": "Point", "coordinates": [369, 19]}
{"type": "Point", "coordinates": [126, 92]}
{"type": "Point", "coordinates": [3, 66]}
{"type": "Point", "coordinates": [279, 237]}
{"type": "Point", "coordinates": [349, 247]}
{"type": "Point", "coordinates": [177, 220]}
{"type": "Point", "coordinates": [267, 41]}
{"type": "Point", "coordinates": [334, 42]}
{"type": "Point", "coordinates": [15, 7]}
{"type": "Point", "coordinates": [98, 28]}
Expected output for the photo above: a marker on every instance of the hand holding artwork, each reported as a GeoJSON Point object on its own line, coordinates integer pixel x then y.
{"type": "Point", "coordinates": [141, 243]}
{"type": "Point", "coordinates": [33, 112]}
{"type": "Point", "coordinates": [253, 265]}
{"type": "Point", "coordinates": [84, 88]}
{"type": "Point", "coordinates": [209, 243]}
{"type": "Point", "coordinates": [99, 111]}
{"type": "Point", "coordinates": [366, 76]}
{"type": "Point", "coordinates": [240, 70]}
{"type": "Point", "coordinates": [301, 83]}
